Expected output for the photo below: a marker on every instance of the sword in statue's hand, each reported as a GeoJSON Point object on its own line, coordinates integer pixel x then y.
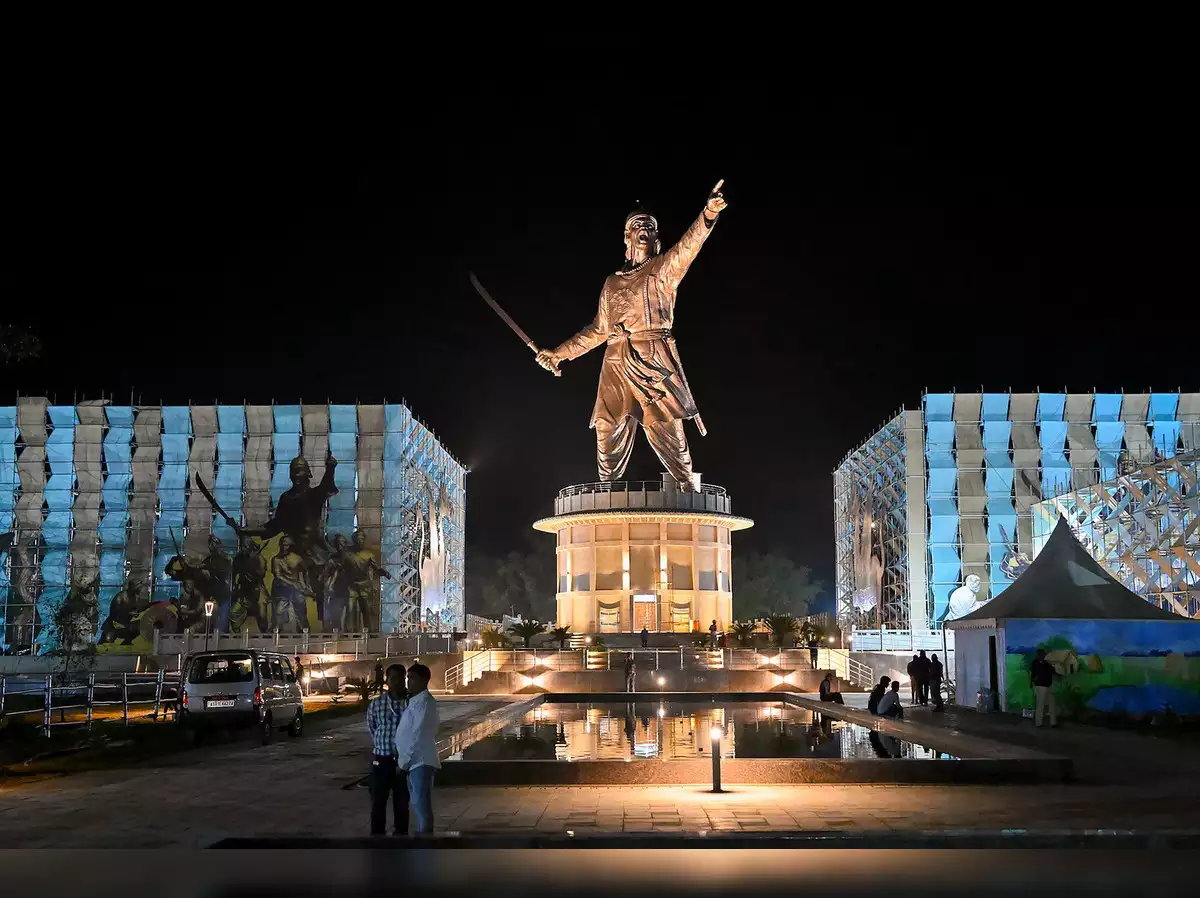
{"type": "Point", "coordinates": [504, 316]}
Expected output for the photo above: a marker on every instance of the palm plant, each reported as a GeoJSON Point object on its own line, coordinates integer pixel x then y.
{"type": "Point", "coordinates": [783, 628]}
{"type": "Point", "coordinates": [527, 629]}
{"type": "Point", "coordinates": [362, 687]}
{"type": "Point", "coordinates": [743, 632]}
{"type": "Point", "coordinates": [491, 638]}
{"type": "Point", "coordinates": [561, 635]}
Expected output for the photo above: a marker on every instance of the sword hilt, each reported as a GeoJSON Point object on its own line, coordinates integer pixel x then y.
{"type": "Point", "coordinates": [533, 346]}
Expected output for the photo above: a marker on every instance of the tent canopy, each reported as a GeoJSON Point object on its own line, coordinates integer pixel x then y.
{"type": "Point", "coordinates": [1064, 582]}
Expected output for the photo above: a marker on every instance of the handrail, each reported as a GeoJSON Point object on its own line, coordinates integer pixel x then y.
{"type": "Point", "coordinates": [70, 687]}
{"type": "Point", "coordinates": [632, 486]}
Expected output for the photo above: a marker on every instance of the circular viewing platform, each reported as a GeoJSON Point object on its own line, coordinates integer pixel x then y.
{"type": "Point", "coordinates": [642, 496]}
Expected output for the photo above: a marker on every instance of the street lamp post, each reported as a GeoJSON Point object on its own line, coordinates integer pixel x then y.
{"type": "Point", "coordinates": [715, 735]}
{"type": "Point", "coordinates": [208, 610]}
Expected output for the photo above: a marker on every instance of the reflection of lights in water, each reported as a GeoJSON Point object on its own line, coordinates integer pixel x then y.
{"type": "Point", "coordinates": [662, 712]}
{"type": "Point", "coordinates": [645, 749]}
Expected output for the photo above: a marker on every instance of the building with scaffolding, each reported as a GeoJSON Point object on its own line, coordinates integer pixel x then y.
{"type": "Point", "coordinates": [1143, 526]}
{"type": "Point", "coordinates": [934, 514]}
{"type": "Point", "coordinates": [102, 511]}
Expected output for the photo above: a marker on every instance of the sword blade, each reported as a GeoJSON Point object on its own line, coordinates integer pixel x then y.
{"type": "Point", "coordinates": [213, 502]}
{"type": "Point", "coordinates": [487, 297]}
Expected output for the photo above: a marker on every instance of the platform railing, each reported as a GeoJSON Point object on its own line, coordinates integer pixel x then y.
{"type": "Point", "coordinates": [359, 645]}
{"type": "Point", "coordinates": [886, 639]}
{"type": "Point", "coordinates": [83, 699]}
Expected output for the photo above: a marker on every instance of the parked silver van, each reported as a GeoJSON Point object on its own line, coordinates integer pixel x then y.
{"type": "Point", "coordinates": [240, 688]}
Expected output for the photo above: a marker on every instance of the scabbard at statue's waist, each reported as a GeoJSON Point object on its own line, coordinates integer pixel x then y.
{"type": "Point", "coordinates": [621, 335]}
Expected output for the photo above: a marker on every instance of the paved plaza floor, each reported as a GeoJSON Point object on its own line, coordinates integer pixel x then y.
{"type": "Point", "coordinates": [309, 787]}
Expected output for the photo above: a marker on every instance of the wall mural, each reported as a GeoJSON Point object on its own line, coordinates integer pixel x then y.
{"type": "Point", "coordinates": [868, 556]}
{"type": "Point", "coordinates": [284, 517]}
{"type": "Point", "coordinates": [1125, 667]}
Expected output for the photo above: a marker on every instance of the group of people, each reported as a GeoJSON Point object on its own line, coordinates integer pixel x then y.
{"type": "Point", "coordinates": [925, 677]}
{"type": "Point", "coordinates": [403, 722]}
{"type": "Point", "coordinates": [885, 702]}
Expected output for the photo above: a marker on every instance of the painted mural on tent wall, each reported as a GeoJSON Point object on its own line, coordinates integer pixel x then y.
{"type": "Point", "coordinates": [323, 518]}
{"type": "Point", "coordinates": [1137, 668]}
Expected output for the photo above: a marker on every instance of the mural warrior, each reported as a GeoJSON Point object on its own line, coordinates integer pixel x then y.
{"type": "Point", "coordinates": [361, 572]}
{"type": "Point", "coordinates": [642, 379]}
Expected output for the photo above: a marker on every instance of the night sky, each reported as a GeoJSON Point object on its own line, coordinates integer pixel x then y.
{"type": "Point", "coordinates": [875, 245]}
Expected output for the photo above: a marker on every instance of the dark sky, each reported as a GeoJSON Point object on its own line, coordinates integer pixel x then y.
{"type": "Point", "coordinates": [877, 243]}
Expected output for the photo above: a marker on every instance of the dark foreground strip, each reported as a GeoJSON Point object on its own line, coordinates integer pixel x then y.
{"type": "Point", "coordinates": [944, 838]}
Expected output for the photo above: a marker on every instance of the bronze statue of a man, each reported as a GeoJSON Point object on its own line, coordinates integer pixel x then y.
{"type": "Point", "coordinates": [642, 379]}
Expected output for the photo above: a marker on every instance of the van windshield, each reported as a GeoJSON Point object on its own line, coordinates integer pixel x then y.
{"type": "Point", "coordinates": [222, 669]}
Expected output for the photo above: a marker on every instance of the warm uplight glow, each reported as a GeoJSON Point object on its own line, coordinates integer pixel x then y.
{"type": "Point", "coordinates": [587, 640]}
{"type": "Point", "coordinates": [306, 679]}
{"type": "Point", "coordinates": [715, 734]}
{"type": "Point", "coordinates": [662, 712]}
{"type": "Point", "coordinates": [662, 681]}
{"type": "Point", "coordinates": [831, 639]}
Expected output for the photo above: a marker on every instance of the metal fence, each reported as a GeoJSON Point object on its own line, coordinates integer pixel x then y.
{"type": "Point", "coordinates": [83, 699]}
{"type": "Point", "coordinates": [360, 645]}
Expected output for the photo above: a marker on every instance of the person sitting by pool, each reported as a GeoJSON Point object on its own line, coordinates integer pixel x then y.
{"type": "Point", "coordinates": [877, 694]}
{"type": "Point", "coordinates": [889, 705]}
{"type": "Point", "coordinates": [827, 693]}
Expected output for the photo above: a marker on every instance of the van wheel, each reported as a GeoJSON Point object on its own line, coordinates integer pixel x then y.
{"type": "Point", "coordinates": [268, 729]}
{"type": "Point", "coordinates": [296, 727]}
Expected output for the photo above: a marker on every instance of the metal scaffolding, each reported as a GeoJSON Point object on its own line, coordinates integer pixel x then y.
{"type": "Point", "coordinates": [100, 498]}
{"type": "Point", "coordinates": [871, 532]}
{"type": "Point", "coordinates": [1143, 526]}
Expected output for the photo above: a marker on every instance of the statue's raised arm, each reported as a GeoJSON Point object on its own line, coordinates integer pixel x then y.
{"type": "Point", "coordinates": [679, 257]}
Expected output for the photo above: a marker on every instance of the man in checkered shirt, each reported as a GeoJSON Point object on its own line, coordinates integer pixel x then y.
{"type": "Point", "coordinates": [383, 716]}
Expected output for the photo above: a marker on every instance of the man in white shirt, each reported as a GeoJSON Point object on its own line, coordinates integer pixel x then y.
{"type": "Point", "coordinates": [889, 705]}
{"type": "Point", "coordinates": [416, 746]}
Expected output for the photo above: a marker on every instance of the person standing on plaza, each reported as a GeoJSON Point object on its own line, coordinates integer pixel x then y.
{"type": "Point", "coordinates": [1041, 678]}
{"type": "Point", "coordinates": [712, 634]}
{"type": "Point", "coordinates": [379, 676]}
{"type": "Point", "coordinates": [300, 676]}
{"type": "Point", "coordinates": [936, 673]}
{"type": "Point", "coordinates": [911, 670]}
{"type": "Point", "coordinates": [386, 778]}
{"type": "Point", "coordinates": [922, 664]}
{"type": "Point", "coordinates": [416, 746]}
{"type": "Point", "coordinates": [645, 637]}
{"type": "Point", "coordinates": [813, 648]}
{"type": "Point", "coordinates": [630, 672]}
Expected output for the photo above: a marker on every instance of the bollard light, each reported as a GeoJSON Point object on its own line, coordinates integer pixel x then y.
{"type": "Point", "coordinates": [715, 735]}
{"type": "Point", "coordinates": [662, 681]}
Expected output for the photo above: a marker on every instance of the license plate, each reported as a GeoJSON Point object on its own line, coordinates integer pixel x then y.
{"type": "Point", "coordinates": [220, 703]}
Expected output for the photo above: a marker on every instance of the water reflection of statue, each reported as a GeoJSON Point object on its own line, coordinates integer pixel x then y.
{"type": "Point", "coordinates": [642, 379]}
{"type": "Point", "coordinates": [965, 599]}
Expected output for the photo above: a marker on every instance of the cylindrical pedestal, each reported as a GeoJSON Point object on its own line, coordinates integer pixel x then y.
{"type": "Point", "coordinates": [643, 555]}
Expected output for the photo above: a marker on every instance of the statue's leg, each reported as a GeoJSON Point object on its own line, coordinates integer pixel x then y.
{"type": "Point", "coordinates": [669, 443]}
{"type": "Point", "coordinates": [614, 443]}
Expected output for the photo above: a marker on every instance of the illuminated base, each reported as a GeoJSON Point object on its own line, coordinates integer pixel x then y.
{"type": "Point", "coordinates": [643, 555]}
